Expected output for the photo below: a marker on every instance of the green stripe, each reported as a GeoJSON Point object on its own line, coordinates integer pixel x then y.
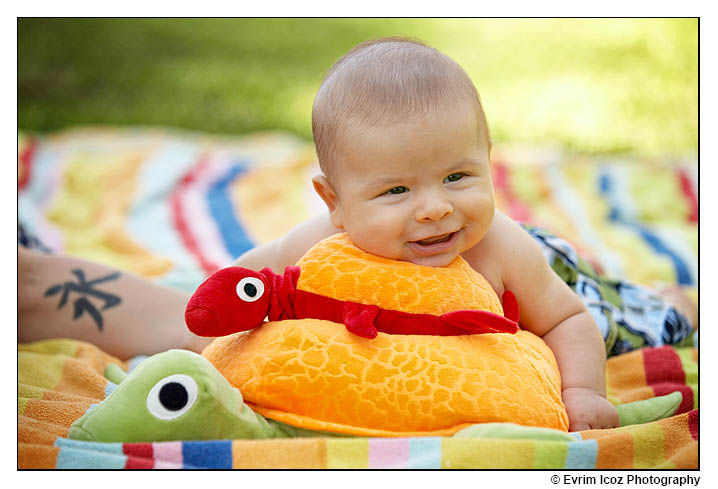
{"type": "Point", "coordinates": [690, 367]}
{"type": "Point", "coordinates": [550, 454]}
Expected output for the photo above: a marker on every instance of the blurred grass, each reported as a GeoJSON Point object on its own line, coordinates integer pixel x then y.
{"type": "Point", "coordinates": [597, 85]}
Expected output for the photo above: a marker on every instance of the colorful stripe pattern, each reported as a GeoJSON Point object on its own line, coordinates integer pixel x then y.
{"type": "Point", "coordinates": [633, 219]}
{"type": "Point", "coordinates": [195, 203]}
{"type": "Point", "coordinates": [661, 444]}
{"type": "Point", "coordinates": [181, 219]}
{"type": "Point", "coordinates": [61, 379]}
{"type": "Point", "coordinates": [651, 372]}
{"type": "Point", "coordinates": [608, 184]}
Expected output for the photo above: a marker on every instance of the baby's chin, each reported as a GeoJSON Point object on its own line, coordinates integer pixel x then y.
{"type": "Point", "coordinates": [432, 261]}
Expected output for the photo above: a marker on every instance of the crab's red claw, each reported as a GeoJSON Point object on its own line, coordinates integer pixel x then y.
{"type": "Point", "coordinates": [230, 300]}
{"type": "Point", "coordinates": [359, 319]}
{"type": "Point", "coordinates": [510, 305]}
{"type": "Point", "coordinates": [478, 322]}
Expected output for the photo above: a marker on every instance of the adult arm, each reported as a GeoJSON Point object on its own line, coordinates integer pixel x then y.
{"type": "Point", "coordinates": [121, 313]}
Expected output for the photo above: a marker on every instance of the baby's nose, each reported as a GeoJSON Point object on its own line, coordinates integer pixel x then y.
{"type": "Point", "coordinates": [434, 208]}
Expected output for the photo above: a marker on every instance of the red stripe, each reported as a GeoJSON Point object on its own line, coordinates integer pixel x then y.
{"type": "Point", "coordinates": [516, 209]}
{"type": "Point", "coordinates": [142, 450]}
{"type": "Point", "coordinates": [139, 455]}
{"type": "Point", "coordinates": [139, 463]}
{"type": "Point", "coordinates": [689, 193]}
{"type": "Point", "coordinates": [663, 388]}
{"type": "Point", "coordinates": [180, 221]}
{"type": "Point", "coordinates": [665, 374]}
{"type": "Point", "coordinates": [693, 423]}
{"type": "Point", "coordinates": [662, 364]}
{"type": "Point", "coordinates": [25, 158]}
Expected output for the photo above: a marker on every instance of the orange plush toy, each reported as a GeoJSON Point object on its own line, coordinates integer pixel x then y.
{"type": "Point", "coordinates": [363, 377]}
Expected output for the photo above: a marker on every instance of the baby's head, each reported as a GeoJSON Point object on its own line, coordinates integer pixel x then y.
{"type": "Point", "coordinates": [404, 147]}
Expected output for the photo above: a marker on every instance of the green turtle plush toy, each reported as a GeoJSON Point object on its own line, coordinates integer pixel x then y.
{"type": "Point", "coordinates": [180, 395]}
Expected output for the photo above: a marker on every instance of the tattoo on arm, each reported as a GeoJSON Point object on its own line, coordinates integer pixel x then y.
{"type": "Point", "coordinates": [86, 289]}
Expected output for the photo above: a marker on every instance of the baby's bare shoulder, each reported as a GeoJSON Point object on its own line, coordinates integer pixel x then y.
{"type": "Point", "coordinates": [507, 249]}
{"type": "Point", "coordinates": [503, 239]}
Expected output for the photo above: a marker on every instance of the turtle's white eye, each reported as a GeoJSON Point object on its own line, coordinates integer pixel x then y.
{"type": "Point", "coordinates": [250, 289]}
{"type": "Point", "coordinates": [172, 396]}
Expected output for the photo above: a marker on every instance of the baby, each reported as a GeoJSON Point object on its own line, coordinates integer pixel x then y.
{"type": "Point", "coordinates": [404, 148]}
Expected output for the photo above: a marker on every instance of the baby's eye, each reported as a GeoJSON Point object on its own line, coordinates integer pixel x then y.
{"type": "Point", "coordinates": [454, 177]}
{"type": "Point", "coordinates": [398, 190]}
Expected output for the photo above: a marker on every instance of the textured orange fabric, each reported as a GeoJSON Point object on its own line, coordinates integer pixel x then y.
{"type": "Point", "coordinates": [315, 374]}
{"type": "Point", "coordinates": [336, 268]}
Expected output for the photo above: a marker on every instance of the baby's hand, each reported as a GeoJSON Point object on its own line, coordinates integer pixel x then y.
{"type": "Point", "coordinates": [588, 410]}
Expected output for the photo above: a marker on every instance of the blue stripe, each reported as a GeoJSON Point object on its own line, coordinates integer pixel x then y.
{"type": "Point", "coordinates": [683, 275]}
{"type": "Point", "coordinates": [424, 453]}
{"type": "Point", "coordinates": [75, 454]}
{"type": "Point", "coordinates": [220, 204]}
{"type": "Point", "coordinates": [215, 454]}
{"type": "Point", "coordinates": [150, 219]}
{"type": "Point", "coordinates": [582, 454]}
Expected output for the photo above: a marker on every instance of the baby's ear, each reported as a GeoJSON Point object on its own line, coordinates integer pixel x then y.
{"type": "Point", "coordinates": [330, 198]}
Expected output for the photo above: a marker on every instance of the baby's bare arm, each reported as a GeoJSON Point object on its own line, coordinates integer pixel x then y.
{"type": "Point", "coordinates": [288, 249]}
{"type": "Point", "coordinates": [550, 309]}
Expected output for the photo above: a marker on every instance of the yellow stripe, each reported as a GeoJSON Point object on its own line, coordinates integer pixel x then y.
{"type": "Point", "coordinates": [347, 454]}
{"type": "Point", "coordinates": [463, 453]}
{"type": "Point", "coordinates": [649, 195]}
{"type": "Point", "coordinates": [271, 200]}
{"type": "Point", "coordinates": [30, 391]}
{"type": "Point", "coordinates": [43, 371]}
{"type": "Point", "coordinates": [91, 208]}
{"type": "Point", "coordinates": [648, 445]}
{"type": "Point", "coordinates": [640, 263]}
{"type": "Point", "coordinates": [58, 346]}
{"type": "Point", "coordinates": [21, 405]}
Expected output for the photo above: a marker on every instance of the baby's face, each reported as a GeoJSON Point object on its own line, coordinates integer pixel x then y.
{"type": "Point", "coordinates": [419, 192]}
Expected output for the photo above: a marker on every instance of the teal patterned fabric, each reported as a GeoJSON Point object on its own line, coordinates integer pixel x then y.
{"type": "Point", "coordinates": [629, 316]}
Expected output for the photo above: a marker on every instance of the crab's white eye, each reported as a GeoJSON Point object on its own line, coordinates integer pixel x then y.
{"type": "Point", "coordinates": [172, 396]}
{"type": "Point", "coordinates": [250, 289]}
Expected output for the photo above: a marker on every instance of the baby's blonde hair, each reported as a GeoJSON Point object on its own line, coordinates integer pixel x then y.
{"type": "Point", "coordinates": [387, 81]}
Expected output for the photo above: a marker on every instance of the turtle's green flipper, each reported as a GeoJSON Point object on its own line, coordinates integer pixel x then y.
{"type": "Point", "coordinates": [511, 431]}
{"type": "Point", "coordinates": [114, 373]}
{"type": "Point", "coordinates": [647, 410]}
{"type": "Point", "coordinates": [637, 412]}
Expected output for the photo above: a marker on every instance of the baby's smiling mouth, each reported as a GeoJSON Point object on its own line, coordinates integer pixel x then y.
{"type": "Point", "coordinates": [435, 239]}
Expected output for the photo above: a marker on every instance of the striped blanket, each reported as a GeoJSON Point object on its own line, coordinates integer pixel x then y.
{"type": "Point", "coordinates": [176, 206]}
{"type": "Point", "coordinates": [58, 380]}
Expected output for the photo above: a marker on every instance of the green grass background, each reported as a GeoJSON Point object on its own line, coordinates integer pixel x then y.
{"type": "Point", "coordinates": [596, 85]}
